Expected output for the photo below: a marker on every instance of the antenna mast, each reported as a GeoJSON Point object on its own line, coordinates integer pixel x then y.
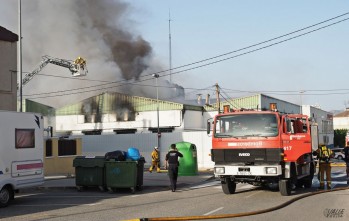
{"type": "Point", "coordinates": [169, 38]}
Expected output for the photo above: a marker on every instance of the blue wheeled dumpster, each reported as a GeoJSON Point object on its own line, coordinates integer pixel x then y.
{"type": "Point", "coordinates": [188, 164]}
{"type": "Point", "coordinates": [89, 171]}
{"type": "Point", "coordinates": [124, 174]}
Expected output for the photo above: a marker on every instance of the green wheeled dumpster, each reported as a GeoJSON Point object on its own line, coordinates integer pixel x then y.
{"type": "Point", "coordinates": [188, 164]}
{"type": "Point", "coordinates": [89, 172]}
{"type": "Point", "coordinates": [124, 174]}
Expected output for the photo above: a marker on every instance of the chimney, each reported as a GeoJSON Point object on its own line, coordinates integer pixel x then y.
{"type": "Point", "coordinates": [207, 100]}
{"type": "Point", "coordinates": [199, 99]}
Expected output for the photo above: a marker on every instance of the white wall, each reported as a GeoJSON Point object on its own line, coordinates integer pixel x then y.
{"type": "Point", "coordinates": [193, 120]}
{"type": "Point", "coordinates": [144, 120]}
{"type": "Point", "coordinates": [166, 118]}
{"type": "Point", "coordinates": [341, 123]}
{"type": "Point", "coordinates": [98, 145]}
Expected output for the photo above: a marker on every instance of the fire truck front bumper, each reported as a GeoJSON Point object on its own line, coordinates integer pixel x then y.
{"type": "Point", "coordinates": [262, 170]}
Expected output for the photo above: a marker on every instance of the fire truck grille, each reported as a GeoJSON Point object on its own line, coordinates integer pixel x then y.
{"type": "Point", "coordinates": [249, 156]}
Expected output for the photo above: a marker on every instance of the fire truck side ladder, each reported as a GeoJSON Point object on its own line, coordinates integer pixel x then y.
{"type": "Point", "coordinates": [77, 67]}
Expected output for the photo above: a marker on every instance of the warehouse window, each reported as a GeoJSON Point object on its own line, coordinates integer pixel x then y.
{"type": "Point", "coordinates": [66, 147]}
{"type": "Point", "coordinates": [48, 148]}
{"type": "Point", "coordinates": [327, 126]}
{"type": "Point", "coordinates": [161, 129]}
{"type": "Point", "coordinates": [92, 132]}
{"type": "Point", "coordinates": [125, 131]}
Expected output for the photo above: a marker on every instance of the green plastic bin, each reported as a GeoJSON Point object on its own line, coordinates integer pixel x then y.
{"type": "Point", "coordinates": [89, 171]}
{"type": "Point", "coordinates": [122, 174]}
{"type": "Point", "coordinates": [188, 164]}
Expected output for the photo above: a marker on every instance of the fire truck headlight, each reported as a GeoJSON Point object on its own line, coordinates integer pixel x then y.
{"type": "Point", "coordinates": [219, 170]}
{"type": "Point", "coordinates": [271, 170]}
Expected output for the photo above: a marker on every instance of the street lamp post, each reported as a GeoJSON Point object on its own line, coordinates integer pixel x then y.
{"type": "Point", "coordinates": [156, 76]}
{"type": "Point", "coordinates": [301, 106]}
{"type": "Point", "coordinates": [20, 55]}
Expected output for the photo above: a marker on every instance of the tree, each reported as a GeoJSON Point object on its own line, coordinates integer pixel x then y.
{"type": "Point", "coordinates": [339, 137]}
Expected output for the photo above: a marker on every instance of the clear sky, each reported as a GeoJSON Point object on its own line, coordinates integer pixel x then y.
{"type": "Point", "coordinates": [316, 64]}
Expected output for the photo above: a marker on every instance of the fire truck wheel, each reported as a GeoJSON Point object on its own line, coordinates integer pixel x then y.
{"type": "Point", "coordinates": [285, 187]}
{"type": "Point", "coordinates": [300, 184]}
{"type": "Point", "coordinates": [228, 186]}
{"type": "Point", "coordinates": [308, 180]}
{"type": "Point", "coordinates": [6, 194]}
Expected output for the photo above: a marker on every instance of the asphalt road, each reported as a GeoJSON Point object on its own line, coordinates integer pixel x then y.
{"type": "Point", "coordinates": [206, 199]}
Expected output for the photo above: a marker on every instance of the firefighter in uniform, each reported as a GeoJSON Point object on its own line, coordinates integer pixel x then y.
{"type": "Point", "coordinates": [173, 164]}
{"type": "Point", "coordinates": [324, 155]}
{"type": "Point", "coordinates": [155, 160]}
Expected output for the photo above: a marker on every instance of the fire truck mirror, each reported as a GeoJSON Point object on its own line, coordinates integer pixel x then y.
{"type": "Point", "coordinates": [289, 126]}
{"type": "Point", "coordinates": [208, 127]}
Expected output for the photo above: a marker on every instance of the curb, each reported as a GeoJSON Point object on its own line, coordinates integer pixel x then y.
{"type": "Point", "coordinates": [338, 165]}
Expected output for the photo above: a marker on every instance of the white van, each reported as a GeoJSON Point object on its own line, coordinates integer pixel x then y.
{"type": "Point", "coordinates": [21, 153]}
{"type": "Point", "coordinates": [338, 153]}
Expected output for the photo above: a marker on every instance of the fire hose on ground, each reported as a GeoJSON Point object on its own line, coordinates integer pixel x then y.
{"type": "Point", "coordinates": [235, 215]}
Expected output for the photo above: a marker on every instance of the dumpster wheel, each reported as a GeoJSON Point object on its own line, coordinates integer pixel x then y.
{"type": "Point", "coordinates": [102, 188]}
{"type": "Point", "coordinates": [80, 188]}
{"type": "Point", "coordinates": [133, 190]}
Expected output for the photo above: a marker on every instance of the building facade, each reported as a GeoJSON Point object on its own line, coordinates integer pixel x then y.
{"type": "Point", "coordinates": [8, 67]}
{"type": "Point", "coordinates": [116, 121]}
{"type": "Point", "coordinates": [324, 121]}
{"type": "Point", "coordinates": [341, 120]}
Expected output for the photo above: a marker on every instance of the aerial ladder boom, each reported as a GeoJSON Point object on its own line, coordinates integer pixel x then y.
{"type": "Point", "coordinates": [77, 67]}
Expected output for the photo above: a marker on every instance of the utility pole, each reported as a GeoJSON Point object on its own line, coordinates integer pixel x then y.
{"type": "Point", "coordinates": [156, 76]}
{"type": "Point", "coordinates": [218, 100]}
{"type": "Point", "coordinates": [20, 55]}
{"type": "Point", "coordinates": [301, 106]}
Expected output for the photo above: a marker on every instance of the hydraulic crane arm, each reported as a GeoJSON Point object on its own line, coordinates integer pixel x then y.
{"type": "Point", "coordinates": [77, 67]}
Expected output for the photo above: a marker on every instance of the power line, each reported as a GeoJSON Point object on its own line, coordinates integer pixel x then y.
{"type": "Point", "coordinates": [221, 60]}
{"type": "Point", "coordinates": [230, 99]}
{"type": "Point", "coordinates": [258, 49]}
{"type": "Point", "coordinates": [143, 85]}
{"type": "Point", "coordinates": [72, 78]}
{"type": "Point", "coordinates": [263, 42]}
{"type": "Point", "coordinates": [295, 91]}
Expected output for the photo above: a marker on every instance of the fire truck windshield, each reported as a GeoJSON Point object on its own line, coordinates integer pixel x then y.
{"type": "Point", "coordinates": [245, 125]}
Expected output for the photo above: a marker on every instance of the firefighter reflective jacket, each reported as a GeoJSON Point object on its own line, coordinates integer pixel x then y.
{"type": "Point", "coordinates": [155, 156]}
{"type": "Point", "coordinates": [324, 154]}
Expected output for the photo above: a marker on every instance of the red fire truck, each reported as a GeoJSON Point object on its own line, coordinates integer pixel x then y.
{"type": "Point", "coordinates": [262, 148]}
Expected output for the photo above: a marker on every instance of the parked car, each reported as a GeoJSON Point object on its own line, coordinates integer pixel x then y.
{"type": "Point", "coordinates": [338, 153]}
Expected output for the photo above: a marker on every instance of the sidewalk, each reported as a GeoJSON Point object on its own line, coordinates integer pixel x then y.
{"type": "Point", "coordinates": [153, 179]}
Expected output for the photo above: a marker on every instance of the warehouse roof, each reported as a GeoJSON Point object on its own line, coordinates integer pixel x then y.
{"type": "Point", "coordinates": [6, 35]}
{"type": "Point", "coordinates": [343, 114]}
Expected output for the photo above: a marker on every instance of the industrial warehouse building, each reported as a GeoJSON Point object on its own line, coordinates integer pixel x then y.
{"type": "Point", "coordinates": [114, 121]}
